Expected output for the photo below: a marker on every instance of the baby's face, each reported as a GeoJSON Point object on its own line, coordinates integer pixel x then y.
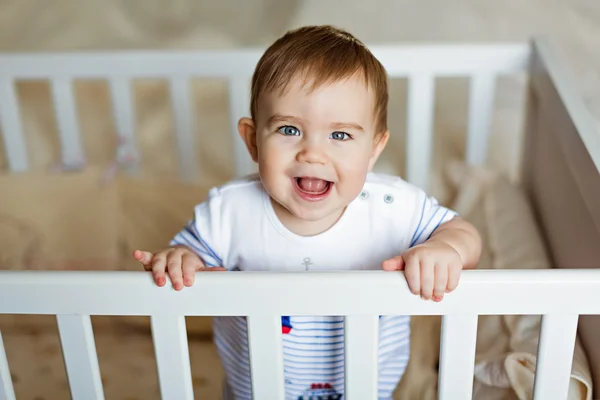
{"type": "Point", "coordinates": [315, 149]}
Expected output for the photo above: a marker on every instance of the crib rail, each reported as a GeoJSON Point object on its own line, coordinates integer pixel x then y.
{"type": "Point", "coordinates": [420, 64]}
{"type": "Point", "coordinates": [74, 296]}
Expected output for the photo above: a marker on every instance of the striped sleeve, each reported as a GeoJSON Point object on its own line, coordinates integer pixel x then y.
{"type": "Point", "coordinates": [430, 216]}
{"type": "Point", "coordinates": [201, 233]}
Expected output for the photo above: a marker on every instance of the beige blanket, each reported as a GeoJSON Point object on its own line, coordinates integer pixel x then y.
{"type": "Point", "coordinates": [506, 345]}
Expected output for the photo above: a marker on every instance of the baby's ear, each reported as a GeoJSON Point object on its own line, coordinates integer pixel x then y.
{"type": "Point", "coordinates": [247, 131]}
{"type": "Point", "coordinates": [379, 143]}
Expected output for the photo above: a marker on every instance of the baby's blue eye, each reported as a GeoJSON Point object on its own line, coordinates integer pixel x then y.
{"type": "Point", "coordinates": [339, 135]}
{"type": "Point", "coordinates": [289, 130]}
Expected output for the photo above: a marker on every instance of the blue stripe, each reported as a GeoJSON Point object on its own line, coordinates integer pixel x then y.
{"type": "Point", "coordinates": [421, 220]}
{"type": "Point", "coordinates": [291, 334]}
{"type": "Point", "coordinates": [399, 361]}
{"type": "Point", "coordinates": [331, 357]}
{"type": "Point", "coordinates": [226, 350]}
{"type": "Point", "coordinates": [316, 329]}
{"type": "Point", "coordinates": [321, 374]}
{"type": "Point", "coordinates": [438, 224]}
{"type": "Point", "coordinates": [395, 345]}
{"type": "Point", "coordinates": [425, 227]}
{"type": "Point", "coordinates": [318, 343]}
{"type": "Point", "coordinates": [319, 322]}
{"type": "Point", "coordinates": [335, 351]}
{"type": "Point", "coordinates": [289, 368]}
{"type": "Point", "coordinates": [199, 237]}
{"type": "Point", "coordinates": [238, 382]}
{"type": "Point", "coordinates": [205, 247]}
{"type": "Point", "coordinates": [394, 336]}
{"type": "Point", "coordinates": [399, 339]}
{"type": "Point", "coordinates": [184, 241]}
{"type": "Point", "coordinates": [398, 328]}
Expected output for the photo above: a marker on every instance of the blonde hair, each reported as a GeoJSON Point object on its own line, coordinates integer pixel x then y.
{"type": "Point", "coordinates": [324, 54]}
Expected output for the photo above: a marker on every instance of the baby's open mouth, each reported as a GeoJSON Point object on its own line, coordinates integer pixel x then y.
{"type": "Point", "coordinates": [313, 186]}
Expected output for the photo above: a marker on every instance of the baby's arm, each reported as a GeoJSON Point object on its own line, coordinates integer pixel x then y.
{"type": "Point", "coordinates": [463, 238]}
{"type": "Point", "coordinates": [441, 246]}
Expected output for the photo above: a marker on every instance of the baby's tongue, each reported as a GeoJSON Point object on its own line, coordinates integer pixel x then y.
{"type": "Point", "coordinates": [312, 185]}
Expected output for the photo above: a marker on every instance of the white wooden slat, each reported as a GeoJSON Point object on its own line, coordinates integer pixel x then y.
{"type": "Point", "coordinates": [555, 356]}
{"type": "Point", "coordinates": [480, 292]}
{"type": "Point", "coordinates": [239, 106]}
{"type": "Point", "coordinates": [361, 348]}
{"type": "Point", "coordinates": [457, 356]}
{"type": "Point", "coordinates": [123, 111]}
{"type": "Point", "coordinates": [266, 357]}
{"type": "Point", "coordinates": [399, 60]}
{"type": "Point", "coordinates": [12, 130]}
{"type": "Point", "coordinates": [63, 100]}
{"type": "Point", "coordinates": [420, 120]}
{"type": "Point", "coordinates": [481, 106]}
{"type": "Point", "coordinates": [81, 359]}
{"type": "Point", "coordinates": [182, 111]}
{"type": "Point", "coordinates": [172, 357]}
{"type": "Point", "coordinates": [7, 391]}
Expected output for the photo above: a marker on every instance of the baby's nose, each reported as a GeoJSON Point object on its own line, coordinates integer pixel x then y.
{"type": "Point", "coordinates": [312, 154]}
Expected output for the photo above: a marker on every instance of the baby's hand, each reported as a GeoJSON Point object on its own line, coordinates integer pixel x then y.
{"type": "Point", "coordinates": [431, 269]}
{"type": "Point", "coordinates": [180, 262]}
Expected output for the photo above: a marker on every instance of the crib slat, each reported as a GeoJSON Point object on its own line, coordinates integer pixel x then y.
{"type": "Point", "coordinates": [172, 357]}
{"type": "Point", "coordinates": [419, 129]}
{"type": "Point", "coordinates": [239, 106]}
{"type": "Point", "coordinates": [65, 110]}
{"type": "Point", "coordinates": [481, 105]}
{"type": "Point", "coordinates": [457, 357]}
{"type": "Point", "coordinates": [361, 349]}
{"type": "Point", "coordinates": [81, 359]}
{"type": "Point", "coordinates": [182, 112]}
{"type": "Point", "coordinates": [266, 357]}
{"type": "Point", "coordinates": [122, 106]}
{"type": "Point", "coordinates": [555, 356]}
{"type": "Point", "coordinates": [12, 130]}
{"type": "Point", "coordinates": [7, 391]}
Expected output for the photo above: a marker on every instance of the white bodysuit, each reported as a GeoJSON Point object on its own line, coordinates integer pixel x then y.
{"type": "Point", "coordinates": [237, 228]}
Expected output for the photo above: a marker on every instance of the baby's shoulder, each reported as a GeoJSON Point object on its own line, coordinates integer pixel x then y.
{"type": "Point", "coordinates": [391, 188]}
{"type": "Point", "coordinates": [243, 191]}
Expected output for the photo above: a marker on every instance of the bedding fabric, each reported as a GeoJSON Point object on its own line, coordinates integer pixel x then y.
{"type": "Point", "coordinates": [506, 345]}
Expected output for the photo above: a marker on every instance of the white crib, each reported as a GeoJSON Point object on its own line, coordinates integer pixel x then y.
{"type": "Point", "coordinates": [560, 295]}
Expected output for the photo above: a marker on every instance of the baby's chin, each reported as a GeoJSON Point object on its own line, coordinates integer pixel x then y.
{"type": "Point", "coordinates": [315, 213]}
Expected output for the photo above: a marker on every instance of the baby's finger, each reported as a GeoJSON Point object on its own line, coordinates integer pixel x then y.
{"type": "Point", "coordinates": [144, 257]}
{"type": "Point", "coordinates": [412, 274]}
{"type": "Point", "coordinates": [393, 264]}
{"type": "Point", "coordinates": [189, 266]}
{"type": "Point", "coordinates": [174, 270]}
{"type": "Point", "coordinates": [427, 276]}
{"type": "Point", "coordinates": [158, 269]}
{"type": "Point", "coordinates": [440, 281]}
{"type": "Point", "coordinates": [453, 278]}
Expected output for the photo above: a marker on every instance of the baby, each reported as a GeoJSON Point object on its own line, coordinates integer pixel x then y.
{"type": "Point", "coordinates": [318, 124]}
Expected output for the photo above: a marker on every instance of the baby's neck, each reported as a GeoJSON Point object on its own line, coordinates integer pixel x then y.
{"type": "Point", "coordinates": [303, 227]}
